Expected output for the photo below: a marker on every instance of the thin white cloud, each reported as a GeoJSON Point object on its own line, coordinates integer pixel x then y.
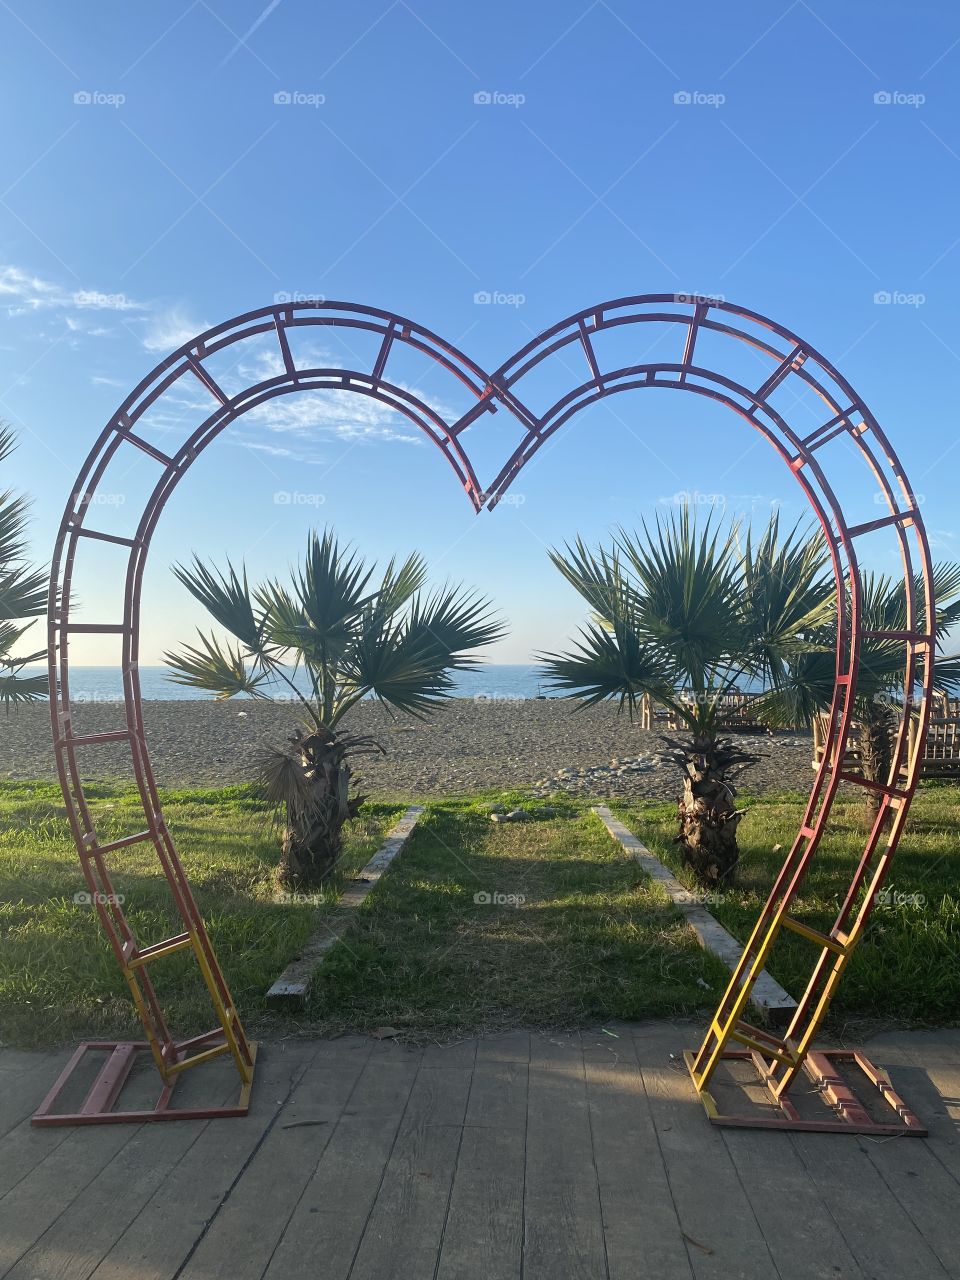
{"type": "Point", "coordinates": [25, 293]}
{"type": "Point", "coordinates": [170, 329]}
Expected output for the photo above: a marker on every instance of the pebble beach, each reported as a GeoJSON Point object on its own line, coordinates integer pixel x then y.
{"type": "Point", "coordinates": [469, 745]}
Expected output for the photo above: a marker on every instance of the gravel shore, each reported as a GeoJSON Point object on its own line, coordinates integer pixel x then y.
{"type": "Point", "coordinates": [467, 746]}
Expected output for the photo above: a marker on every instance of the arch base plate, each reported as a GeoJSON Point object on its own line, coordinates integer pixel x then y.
{"type": "Point", "coordinates": [98, 1107]}
{"type": "Point", "coordinates": [843, 1110]}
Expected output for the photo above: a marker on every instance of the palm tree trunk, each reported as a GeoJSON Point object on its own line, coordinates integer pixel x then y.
{"type": "Point", "coordinates": [312, 838]}
{"type": "Point", "coordinates": [878, 724]}
{"type": "Point", "coordinates": [707, 811]}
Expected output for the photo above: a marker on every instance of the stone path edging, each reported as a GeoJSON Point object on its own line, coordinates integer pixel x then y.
{"type": "Point", "coordinates": [767, 993]}
{"type": "Point", "coordinates": [292, 987]}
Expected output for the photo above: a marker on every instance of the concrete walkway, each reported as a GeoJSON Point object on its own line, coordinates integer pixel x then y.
{"type": "Point", "coordinates": [549, 1158]}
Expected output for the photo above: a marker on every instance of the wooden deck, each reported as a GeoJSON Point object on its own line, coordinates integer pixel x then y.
{"type": "Point", "coordinates": [548, 1158]}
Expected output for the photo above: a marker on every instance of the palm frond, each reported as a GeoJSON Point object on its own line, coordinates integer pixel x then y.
{"type": "Point", "coordinates": [330, 588]}
{"type": "Point", "coordinates": [23, 593]}
{"type": "Point", "coordinates": [226, 597]}
{"type": "Point", "coordinates": [16, 688]}
{"type": "Point", "coordinates": [690, 583]}
{"type": "Point", "coordinates": [789, 595]}
{"type": "Point", "coordinates": [610, 664]}
{"type": "Point", "coordinates": [8, 440]}
{"type": "Point", "coordinates": [14, 512]}
{"type": "Point", "coordinates": [222, 671]}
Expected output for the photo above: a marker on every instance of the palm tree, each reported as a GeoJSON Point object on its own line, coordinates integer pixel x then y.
{"type": "Point", "coordinates": [23, 594]}
{"type": "Point", "coordinates": [807, 687]}
{"type": "Point", "coordinates": [350, 637]}
{"type": "Point", "coordinates": [683, 614]}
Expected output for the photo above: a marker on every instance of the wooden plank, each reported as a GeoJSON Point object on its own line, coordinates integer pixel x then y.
{"type": "Point", "coordinates": [563, 1227]}
{"type": "Point", "coordinates": [879, 1232]}
{"type": "Point", "coordinates": [25, 1077]}
{"type": "Point", "coordinates": [484, 1228]}
{"type": "Point", "coordinates": [291, 989]}
{"type": "Point", "coordinates": [329, 1221]}
{"type": "Point", "coordinates": [639, 1215]}
{"type": "Point", "coordinates": [804, 1240]}
{"type": "Point", "coordinates": [92, 1222]}
{"type": "Point", "coordinates": [176, 1216]}
{"type": "Point", "coordinates": [403, 1234]}
{"type": "Point", "coordinates": [36, 1201]}
{"type": "Point", "coordinates": [720, 1231]}
{"type": "Point", "coordinates": [767, 994]}
{"type": "Point", "coordinates": [243, 1235]}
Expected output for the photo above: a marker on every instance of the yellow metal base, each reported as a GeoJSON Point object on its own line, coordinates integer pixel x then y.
{"type": "Point", "coordinates": [847, 1113]}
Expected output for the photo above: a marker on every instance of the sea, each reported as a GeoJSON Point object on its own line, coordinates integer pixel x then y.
{"type": "Point", "coordinates": [493, 682]}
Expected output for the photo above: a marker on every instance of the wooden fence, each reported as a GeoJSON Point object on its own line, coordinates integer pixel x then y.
{"type": "Point", "coordinates": [941, 754]}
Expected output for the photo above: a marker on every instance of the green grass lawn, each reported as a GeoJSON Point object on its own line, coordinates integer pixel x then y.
{"type": "Point", "coordinates": [58, 976]}
{"type": "Point", "coordinates": [545, 923]}
{"type": "Point", "coordinates": [477, 925]}
{"type": "Point", "coordinates": [907, 967]}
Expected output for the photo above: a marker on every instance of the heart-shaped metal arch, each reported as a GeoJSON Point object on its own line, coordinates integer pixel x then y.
{"type": "Point", "coordinates": [789, 362]}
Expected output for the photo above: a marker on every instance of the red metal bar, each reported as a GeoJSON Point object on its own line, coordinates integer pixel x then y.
{"type": "Point", "coordinates": [845, 413]}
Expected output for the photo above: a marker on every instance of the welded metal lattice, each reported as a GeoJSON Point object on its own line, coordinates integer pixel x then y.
{"type": "Point", "coordinates": [787, 362]}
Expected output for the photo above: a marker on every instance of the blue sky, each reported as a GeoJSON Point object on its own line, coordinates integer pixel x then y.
{"type": "Point", "coordinates": [153, 186]}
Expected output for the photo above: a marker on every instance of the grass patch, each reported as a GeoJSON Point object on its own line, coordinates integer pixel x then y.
{"type": "Point", "coordinates": [58, 975]}
{"type": "Point", "coordinates": [481, 926]}
{"type": "Point", "coordinates": [907, 967]}
{"type": "Point", "coordinates": [478, 926]}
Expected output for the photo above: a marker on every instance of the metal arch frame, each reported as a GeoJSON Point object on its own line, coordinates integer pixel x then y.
{"type": "Point", "coordinates": [778, 1058]}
